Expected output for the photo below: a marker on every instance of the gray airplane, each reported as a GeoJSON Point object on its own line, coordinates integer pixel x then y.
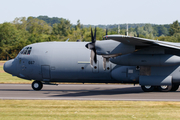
{"type": "Point", "coordinates": [155, 65]}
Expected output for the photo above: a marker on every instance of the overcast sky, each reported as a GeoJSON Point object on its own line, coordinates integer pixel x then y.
{"type": "Point", "coordinates": [94, 11]}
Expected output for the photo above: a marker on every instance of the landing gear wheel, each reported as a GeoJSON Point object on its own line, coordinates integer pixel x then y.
{"type": "Point", "coordinates": [174, 87]}
{"type": "Point", "coordinates": [165, 88]}
{"type": "Point", "coordinates": [147, 88]}
{"type": "Point", "coordinates": [37, 85]}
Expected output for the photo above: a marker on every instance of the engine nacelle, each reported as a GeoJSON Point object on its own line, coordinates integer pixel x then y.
{"type": "Point", "coordinates": [111, 47]}
{"type": "Point", "coordinates": [146, 60]}
{"type": "Point", "coordinates": [126, 74]}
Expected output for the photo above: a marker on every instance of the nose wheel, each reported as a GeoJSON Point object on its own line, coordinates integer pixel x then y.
{"type": "Point", "coordinates": [37, 85]}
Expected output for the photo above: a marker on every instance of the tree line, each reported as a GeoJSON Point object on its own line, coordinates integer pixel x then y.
{"type": "Point", "coordinates": [24, 31]}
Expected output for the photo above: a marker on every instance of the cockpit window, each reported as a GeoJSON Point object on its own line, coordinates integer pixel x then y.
{"type": "Point", "coordinates": [26, 51]}
{"type": "Point", "coordinates": [22, 51]}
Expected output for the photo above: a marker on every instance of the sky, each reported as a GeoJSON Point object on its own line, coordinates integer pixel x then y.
{"type": "Point", "coordinates": [94, 12]}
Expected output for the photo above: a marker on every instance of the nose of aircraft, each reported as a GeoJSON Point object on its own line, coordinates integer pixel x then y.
{"type": "Point", "coordinates": [10, 67]}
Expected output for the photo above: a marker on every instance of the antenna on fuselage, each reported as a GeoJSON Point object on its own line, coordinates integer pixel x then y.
{"type": "Point", "coordinates": [67, 40]}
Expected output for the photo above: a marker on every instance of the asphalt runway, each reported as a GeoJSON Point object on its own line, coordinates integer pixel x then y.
{"type": "Point", "coordinates": [85, 92]}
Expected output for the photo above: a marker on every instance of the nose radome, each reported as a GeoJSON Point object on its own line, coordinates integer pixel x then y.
{"type": "Point", "coordinates": [9, 67]}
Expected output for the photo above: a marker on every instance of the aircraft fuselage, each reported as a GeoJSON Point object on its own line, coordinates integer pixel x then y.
{"type": "Point", "coordinates": [60, 62]}
{"type": "Point", "coordinates": [70, 62]}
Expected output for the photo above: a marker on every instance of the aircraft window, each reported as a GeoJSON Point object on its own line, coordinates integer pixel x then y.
{"type": "Point", "coordinates": [29, 51]}
{"type": "Point", "coordinates": [26, 51]}
{"type": "Point", "coordinates": [22, 51]}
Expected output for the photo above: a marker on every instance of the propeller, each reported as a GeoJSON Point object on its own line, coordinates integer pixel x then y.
{"type": "Point", "coordinates": [105, 59]}
{"type": "Point", "coordinates": [92, 47]}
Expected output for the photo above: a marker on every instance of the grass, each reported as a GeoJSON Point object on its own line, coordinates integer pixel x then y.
{"type": "Point", "coordinates": [88, 110]}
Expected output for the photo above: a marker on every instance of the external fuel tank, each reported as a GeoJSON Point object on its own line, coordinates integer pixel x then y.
{"type": "Point", "coordinates": [146, 60]}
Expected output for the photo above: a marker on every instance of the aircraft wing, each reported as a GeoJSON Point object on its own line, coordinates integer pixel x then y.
{"type": "Point", "coordinates": [136, 41]}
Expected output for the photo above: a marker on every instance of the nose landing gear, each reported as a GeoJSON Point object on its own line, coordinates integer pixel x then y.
{"type": "Point", "coordinates": [37, 85]}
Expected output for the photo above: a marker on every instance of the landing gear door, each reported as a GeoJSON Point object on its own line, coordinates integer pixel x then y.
{"type": "Point", "coordinates": [95, 67]}
{"type": "Point", "coordinates": [45, 71]}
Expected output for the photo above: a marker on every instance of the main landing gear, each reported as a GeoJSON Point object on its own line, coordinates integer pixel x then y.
{"type": "Point", "coordinates": [37, 85]}
{"type": "Point", "coordinates": [162, 88]}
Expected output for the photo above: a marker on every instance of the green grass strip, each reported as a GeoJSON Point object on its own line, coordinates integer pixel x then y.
{"type": "Point", "coordinates": [88, 110]}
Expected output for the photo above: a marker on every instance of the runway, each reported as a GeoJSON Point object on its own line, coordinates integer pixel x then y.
{"type": "Point", "coordinates": [85, 92]}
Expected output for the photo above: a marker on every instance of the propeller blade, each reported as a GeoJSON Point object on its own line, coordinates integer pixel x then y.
{"type": "Point", "coordinates": [104, 63]}
{"type": "Point", "coordinates": [95, 56]}
{"type": "Point", "coordinates": [91, 58]}
{"type": "Point", "coordinates": [94, 49]}
{"type": "Point", "coordinates": [106, 31]}
{"type": "Point", "coordinates": [105, 60]}
{"type": "Point", "coordinates": [92, 36]}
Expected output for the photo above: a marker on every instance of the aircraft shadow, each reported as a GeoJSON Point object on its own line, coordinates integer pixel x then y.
{"type": "Point", "coordinates": [15, 90]}
{"type": "Point", "coordinates": [72, 93]}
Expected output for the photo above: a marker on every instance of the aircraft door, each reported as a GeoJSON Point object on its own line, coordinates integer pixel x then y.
{"type": "Point", "coordinates": [45, 71]}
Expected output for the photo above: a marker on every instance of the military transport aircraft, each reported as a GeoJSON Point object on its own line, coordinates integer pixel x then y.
{"type": "Point", "coordinates": [118, 59]}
